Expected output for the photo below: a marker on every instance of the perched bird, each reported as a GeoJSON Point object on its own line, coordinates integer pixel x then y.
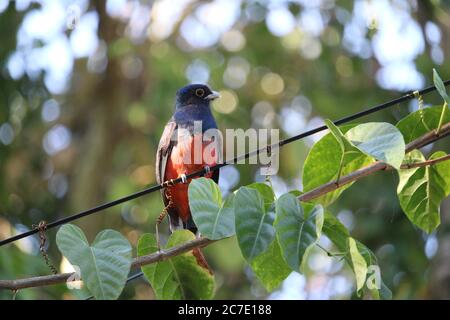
{"type": "Point", "coordinates": [176, 156]}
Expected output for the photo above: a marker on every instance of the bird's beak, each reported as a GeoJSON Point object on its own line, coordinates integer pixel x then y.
{"type": "Point", "coordinates": [212, 96]}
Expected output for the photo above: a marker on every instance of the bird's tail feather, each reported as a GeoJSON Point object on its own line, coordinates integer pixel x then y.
{"type": "Point", "coordinates": [177, 224]}
{"type": "Point", "coordinates": [201, 260]}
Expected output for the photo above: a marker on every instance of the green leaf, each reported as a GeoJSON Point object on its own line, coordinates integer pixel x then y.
{"type": "Point", "coordinates": [348, 151]}
{"type": "Point", "coordinates": [254, 228]}
{"type": "Point", "coordinates": [214, 219]}
{"type": "Point", "coordinates": [439, 84]}
{"type": "Point", "coordinates": [421, 190]}
{"type": "Point", "coordinates": [339, 235]}
{"type": "Point", "coordinates": [266, 192]}
{"type": "Point", "coordinates": [104, 265]}
{"type": "Point", "coordinates": [270, 267]}
{"type": "Point", "coordinates": [420, 122]}
{"type": "Point", "coordinates": [323, 163]}
{"type": "Point", "coordinates": [383, 291]}
{"type": "Point", "coordinates": [345, 145]}
{"type": "Point", "coordinates": [441, 89]}
{"type": "Point", "coordinates": [297, 228]}
{"type": "Point", "coordinates": [179, 277]}
{"type": "Point", "coordinates": [336, 232]}
{"type": "Point", "coordinates": [296, 193]}
{"type": "Point", "coordinates": [161, 275]}
{"type": "Point", "coordinates": [358, 263]}
{"type": "Point", "coordinates": [380, 140]}
{"type": "Point", "coordinates": [443, 170]}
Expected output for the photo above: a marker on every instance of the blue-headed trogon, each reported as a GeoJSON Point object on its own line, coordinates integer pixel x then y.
{"type": "Point", "coordinates": [175, 156]}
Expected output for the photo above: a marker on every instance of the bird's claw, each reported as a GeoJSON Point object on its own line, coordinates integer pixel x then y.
{"type": "Point", "coordinates": [207, 170]}
{"type": "Point", "coordinates": [183, 178]}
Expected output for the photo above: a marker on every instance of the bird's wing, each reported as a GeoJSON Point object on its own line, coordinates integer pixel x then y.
{"type": "Point", "coordinates": [164, 148]}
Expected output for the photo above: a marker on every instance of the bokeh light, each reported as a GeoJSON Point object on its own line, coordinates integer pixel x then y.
{"type": "Point", "coordinates": [272, 83]}
{"type": "Point", "coordinates": [227, 103]}
{"type": "Point", "coordinates": [57, 139]}
{"type": "Point", "coordinates": [50, 110]}
{"type": "Point", "coordinates": [233, 40]}
{"type": "Point", "coordinates": [236, 73]}
{"type": "Point", "coordinates": [6, 133]}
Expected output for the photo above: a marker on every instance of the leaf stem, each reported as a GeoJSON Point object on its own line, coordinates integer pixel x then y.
{"type": "Point", "coordinates": [444, 108]}
{"type": "Point", "coordinates": [340, 169]}
{"type": "Point", "coordinates": [331, 254]}
{"type": "Point", "coordinates": [425, 163]}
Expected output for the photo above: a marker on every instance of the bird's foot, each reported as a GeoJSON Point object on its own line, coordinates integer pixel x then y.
{"type": "Point", "coordinates": [168, 183]}
{"type": "Point", "coordinates": [183, 178]}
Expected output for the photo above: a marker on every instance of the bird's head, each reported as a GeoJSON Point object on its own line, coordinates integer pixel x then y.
{"type": "Point", "coordinates": [195, 94]}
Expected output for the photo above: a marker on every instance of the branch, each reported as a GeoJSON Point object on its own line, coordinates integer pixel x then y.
{"type": "Point", "coordinates": [426, 139]}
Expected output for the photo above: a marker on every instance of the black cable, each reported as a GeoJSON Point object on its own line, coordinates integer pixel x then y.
{"type": "Point", "coordinates": [406, 97]}
{"type": "Point", "coordinates": [135, 276]}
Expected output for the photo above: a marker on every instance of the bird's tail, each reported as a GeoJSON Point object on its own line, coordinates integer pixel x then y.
{"type": "Point", "coordinates": [190, 225]}
{"type": "Point", "coordinates": [201, 260]}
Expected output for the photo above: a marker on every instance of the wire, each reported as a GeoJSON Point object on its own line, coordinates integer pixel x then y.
{"type": "Point", "coordinates": [406, 97]}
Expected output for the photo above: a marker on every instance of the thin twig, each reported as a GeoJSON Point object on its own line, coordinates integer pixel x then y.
{"type": "Point", "coordinates": [425, 163]}
{"type": "Point", "coordinates": [428, 138]}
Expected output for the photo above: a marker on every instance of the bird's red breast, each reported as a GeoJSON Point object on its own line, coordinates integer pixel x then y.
{"type": "Point", "coordinates": [186, 157]}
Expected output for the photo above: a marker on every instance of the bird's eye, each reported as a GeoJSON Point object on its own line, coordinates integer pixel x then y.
{"type": "Point", "coordinates": [199, 92]}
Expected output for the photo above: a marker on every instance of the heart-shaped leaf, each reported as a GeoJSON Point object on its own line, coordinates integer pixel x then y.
{"type": "Point", "coordinates": [339, 236]}
{"type": "Point", "coordinates": [213, 218]}
{"type": "Point", "coordinates": [179, 277]}
{"type": "Point", "coordinates": [421, 190]}
{"type": "Point", "coordinates": [380, 140]}
{"type": "Point", "coordinates": [254, 228]}
{"type": "Point", "coordinates": [104, 265]}
{"type": "Point", "coordinates": [296, 228]}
